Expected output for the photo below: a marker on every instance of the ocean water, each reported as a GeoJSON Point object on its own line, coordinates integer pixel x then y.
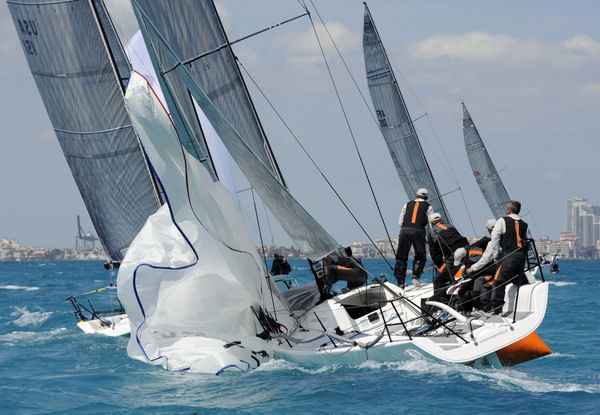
{"type": "Point", "coordinates": [47, 365]}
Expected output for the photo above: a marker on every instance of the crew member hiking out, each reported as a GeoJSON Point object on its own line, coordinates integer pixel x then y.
{"type": "Point", "coordinates": [345, 268]}
{"type": "Point", "coordinates": [447, 248]}
{"type": "Point", "coordinates": [509, 234]}
{"type": "Point", "coordinates": [413, 220]}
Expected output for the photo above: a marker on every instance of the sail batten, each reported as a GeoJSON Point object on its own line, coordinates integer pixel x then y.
{"type": "Point", "coordinates": [395, 122]}
{"type": "Point", "coordinates": [485, 172]}
{"type": "Point", "coordinates": [68, 52]}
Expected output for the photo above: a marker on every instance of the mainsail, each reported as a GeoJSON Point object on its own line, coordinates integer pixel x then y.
{"type": "Point", "coordinates": [211, 63]}
{"type": "Point", "coordinates": [80, 79]}
{"type": "Point", "coordinates": [485, 173]}
{"type": "Point", "coordinates": [308, 235]}
{"type": "Point", "coordinates": [395, 122]}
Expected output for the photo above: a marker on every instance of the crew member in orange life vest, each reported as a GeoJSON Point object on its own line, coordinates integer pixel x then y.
{"type": "Point", "coordinates": [447, 248]}
{"type": "Point", "coordinates": [509, 234]}
{"type": "Point", "coordinates": [413, 220]}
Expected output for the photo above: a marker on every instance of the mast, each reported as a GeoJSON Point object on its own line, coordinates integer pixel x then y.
{"type": "Point", "coordinates": [395, 122]}
{"type": "Point", "coordinates": [80, 85]}
{"type": "Point", "coordinates": [485, 172]}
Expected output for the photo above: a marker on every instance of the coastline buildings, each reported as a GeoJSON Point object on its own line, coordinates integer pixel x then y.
{"type": "Point", "coordinates": [11, 250]}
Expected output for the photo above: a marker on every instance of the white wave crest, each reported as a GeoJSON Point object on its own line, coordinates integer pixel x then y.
{"type": "Point", "coordinates": [506, 378]}
{"type": "Point", "coordinates": [30, 337]}
{"type": "Point", "coordinates": [18, 287]}
{"type": "Point", "coordinates": [29, 318]}
{"type": "Point", "coordinates": [561, 283]}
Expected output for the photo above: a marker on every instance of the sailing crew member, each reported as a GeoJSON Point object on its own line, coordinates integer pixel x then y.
{"type": "Point", "coordinates": [447, 248]}
{"type": "Point", "coordinates": [480, 269]}
{"type": "Point", "coordinates": [413, 220]}
{"type": "Point", "coordinates": [345, 268]}
{"type": "Point", "coordinates": [280, 265]}
{"type": "Point", "coordinates": [509, 234]}
{"type": "Point", "coordinates": [554, 265]}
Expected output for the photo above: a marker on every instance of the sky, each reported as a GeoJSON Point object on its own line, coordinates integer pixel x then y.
{"type": "Point", "coordinates": [529, 73]}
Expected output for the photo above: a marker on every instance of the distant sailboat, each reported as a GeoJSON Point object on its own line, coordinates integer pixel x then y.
{"type": "Point", "coordinates": [485, 172]}
{"type": "Point", "coordinates": [395, 122]}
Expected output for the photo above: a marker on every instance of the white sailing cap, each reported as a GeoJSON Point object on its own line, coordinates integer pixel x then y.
{"type": "Point", "coordinates": [422, 192]}
{"type": "Point", "coordinates": [459, 254]}
{"type": "Point", "coordinates": [435, 217]}
{"type": "Point", "coordinates": [490, 223]}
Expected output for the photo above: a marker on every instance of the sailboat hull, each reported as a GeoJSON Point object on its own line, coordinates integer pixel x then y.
{"type": "Point", "coordinates": [498, 340]}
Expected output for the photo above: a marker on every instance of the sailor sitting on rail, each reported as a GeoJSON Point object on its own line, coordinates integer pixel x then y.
{"type": "Point", "coordinates": [345, 268]}
{"type": "Point", "coordinates": [447, 249]}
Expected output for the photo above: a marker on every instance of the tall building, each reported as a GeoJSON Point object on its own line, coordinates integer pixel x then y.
{"type": "Point", "coordinates": [583, 219]}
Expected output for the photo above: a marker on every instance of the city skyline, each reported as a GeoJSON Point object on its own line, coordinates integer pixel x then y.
{"type": "Point", "coordinates": [530, 85]}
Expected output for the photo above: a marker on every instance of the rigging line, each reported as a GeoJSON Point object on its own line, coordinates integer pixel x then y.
{"type": "Point", "coordinates": [268, 222]}
{"type": "Point", "coordinates": [345, 115]}
{"type": "Point", "coordinates": [262, 246]}
{"type": "Point", "coordinates": [305, 151]}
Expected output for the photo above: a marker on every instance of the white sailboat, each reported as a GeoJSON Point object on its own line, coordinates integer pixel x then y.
{"type": "Point", "coordinates": [202, 301]}
{"type": "Point", "coordinates": [196, 292]}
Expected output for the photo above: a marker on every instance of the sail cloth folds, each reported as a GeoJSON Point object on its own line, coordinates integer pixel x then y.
{"type": "Point", "coordinates": [83, 95]}
{"type": "Point", "coordinates": [192, 273]}
{"type": "Point", "coordinates": [395, 122]}
{"type": "Point", "coordinates": [307, 234]}
{"type": "Point", "coordinates": [485, 172]}
{"type": "Point", "coordinates": [193, 28]}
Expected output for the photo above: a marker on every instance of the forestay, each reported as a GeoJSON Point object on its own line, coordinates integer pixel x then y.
{"type": "Point", "coordinates": [193, 28]}
{"type": "Point", "coordinates": [192, 273]}
{"type": "Point", "coordinates": [395, 122]}
{"type": "Point", "coordinates": [485, 173]}
{"type": "Point", "coordinates": [70, 61]}
{"type": "Point", "coordinates": [307, 234]}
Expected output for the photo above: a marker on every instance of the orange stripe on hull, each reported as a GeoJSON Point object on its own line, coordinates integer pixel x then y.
{"type": "Point", "coordinates": [528, 348]}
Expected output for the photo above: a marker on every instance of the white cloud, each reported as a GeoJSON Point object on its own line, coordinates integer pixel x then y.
{"type": "Point", "coordinates": [225, 15]}
{"type": "Point", "coordinates": [478, 47]}
{"type": "Point", "coordinates": [554, 174]}
{"type": "Point", "coordinates": [583, 45]}
{"type": "Point", "coordinates": [303, 46]}
{"type": "Point", "coordinates": [485, 48]}
{"type": "Point", "coordinates": [591, 89]}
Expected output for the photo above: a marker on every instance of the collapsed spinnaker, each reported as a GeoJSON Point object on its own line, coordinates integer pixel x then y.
{"type": "Point", "coordinates": [192, 274]}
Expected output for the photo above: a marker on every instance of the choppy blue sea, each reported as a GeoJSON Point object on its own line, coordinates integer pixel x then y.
{"type": "Point", "coordinates": [47, 365]}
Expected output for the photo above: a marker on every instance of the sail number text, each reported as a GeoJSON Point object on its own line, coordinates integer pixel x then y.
{"type": "Point", "coordinates": [381, 118]}
{"type": "Point", "coordinates": [28, 28]}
